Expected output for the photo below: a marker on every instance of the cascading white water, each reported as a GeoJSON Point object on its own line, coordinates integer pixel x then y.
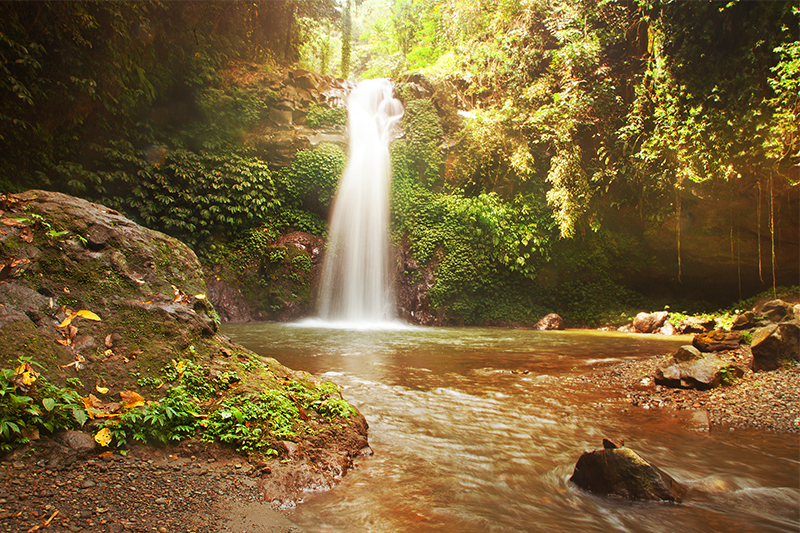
{"type": "Point", "coordinates": [356, 285]}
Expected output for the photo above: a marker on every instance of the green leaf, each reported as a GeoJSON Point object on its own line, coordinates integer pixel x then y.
{"type": "Point", "coordinates": [49, 403]}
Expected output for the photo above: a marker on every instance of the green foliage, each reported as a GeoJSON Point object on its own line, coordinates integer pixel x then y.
{"type": "Point", "coordinates": [188, 195]}
{"type": "Point", "coordinates": [175, 417]}
{"type": "Point", "coordinates": [483, 248]}
{"type": "Point", "coordinates": [323, 398]}
{"type": "Point", "coordinates": [417, 156]}
{"type": "Point", "coordinates": [303, 262]}
{"type": "Point", "coordinates": [314, 176]}
{"type": "Point", "coordinates": [326, 116]}
{"type": "Point", "coordinates": [29, 402]}
{"type": "Point", "coordinates": [252, 423]}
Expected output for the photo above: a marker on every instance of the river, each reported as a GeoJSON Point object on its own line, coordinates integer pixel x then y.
{"type": "Point", "coordinates": [478, 430]}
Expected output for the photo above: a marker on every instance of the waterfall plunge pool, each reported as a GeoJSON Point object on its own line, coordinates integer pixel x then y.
{"type": "Point", "coordinates": [478, 430]}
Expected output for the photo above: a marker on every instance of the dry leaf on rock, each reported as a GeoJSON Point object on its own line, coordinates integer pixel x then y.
{"type": "Point", "coordinates": [26, 235]}
{"type": "Point", "coordinates": [83, 313]}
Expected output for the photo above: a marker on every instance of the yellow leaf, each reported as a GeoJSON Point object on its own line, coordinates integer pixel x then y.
{"type": "Point", "coordinates": [83, 313]}
{"type": "Point", "coordinates": [200, 296]}
{"type": "Point", "coordinates": [180, 366]}
{"type": "Point", "coordinates": [103, 437]}
{"type": "Point", "coordinates": [101, 390]}
{"type": "Point", "coordinates": [21, 368]}
{"type": "Point", "coordinates": [28, 378]}
{"type": "Point", "coordinates": [131, 399]}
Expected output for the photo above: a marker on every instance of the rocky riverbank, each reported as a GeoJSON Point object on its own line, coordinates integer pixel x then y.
{"type": "Point", "coordinates": [767, 400]}
{"type": "Point", "coordinates": [108, 333]}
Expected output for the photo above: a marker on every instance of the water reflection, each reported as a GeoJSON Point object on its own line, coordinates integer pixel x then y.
{"type": "Point", "coordinates": [462, 443]}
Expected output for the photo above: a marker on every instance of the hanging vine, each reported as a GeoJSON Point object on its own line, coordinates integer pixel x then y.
{"type": "Point", "coordinates": [678, 228]}
{"type": "Point", "coordinates": [758, 225]}
{"type": "Point", "coordinates": [772, 230]}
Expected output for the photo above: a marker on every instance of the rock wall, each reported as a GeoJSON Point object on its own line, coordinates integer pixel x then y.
{"type": "Point", "coordinates": [292, 94]}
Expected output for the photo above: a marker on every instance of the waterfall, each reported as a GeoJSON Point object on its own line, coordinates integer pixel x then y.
{"type": "Point", "coordinates": [356, 283]}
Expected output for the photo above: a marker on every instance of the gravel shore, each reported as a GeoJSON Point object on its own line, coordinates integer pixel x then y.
{"type": "Point", "coordinates": [42, 488]}
{"type": "Point", "coordinates": [759, 400]}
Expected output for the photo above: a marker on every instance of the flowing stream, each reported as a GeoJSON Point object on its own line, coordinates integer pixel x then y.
{"type": "Point", "coordinates": [478, 430]}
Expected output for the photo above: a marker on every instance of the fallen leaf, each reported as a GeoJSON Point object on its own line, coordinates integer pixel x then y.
{"type": "Point", "coordinates": [26, 235]}
{"type": "Point", "coordinates": [226, 352]}
{"type": "Point", "coordinates": [107, 454]}
{"type": "Point", "coordinates": [109, 342]}
{"type": "Point", "coordinates": [92, 401]}
{"type": "Point", "coordinates": [108, 353]}
{"type": "Point", "coordinates": [200, 296]}
{"type": "Point", "coordinates": [64, 342]}
{"type": "Point", "coordinates": [66, 289]}
{"type": "Point", "coordinates": [101, 390]}
{"type": "Point", "coordinates": [16, 222]}
{"type": "Point", "coordinates": [131, 399]}
{"type": "Point", "coordinates": [72, 331]}
{"type": "Point", "coordinates": [83, 313]}
{"type": "Point", "coordinates": [103, 437]}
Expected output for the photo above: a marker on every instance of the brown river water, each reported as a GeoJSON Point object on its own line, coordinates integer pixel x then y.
{"type": "Point", "coordinates": [466, 441]}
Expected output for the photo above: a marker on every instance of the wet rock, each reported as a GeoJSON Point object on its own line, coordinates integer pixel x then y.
{"type": "Point", "coordinates": [551, 321]}
{"type": "Point", "coordinates": [775, 345]}
{"type": "Point", "coordinates": [776, 310]}
{"type": "Point", "coordinates": [79, 441]}
{"type": "Point", "coordinates": [716, 341]}
{"type": "Point", "coordinates": [689, 368]}
{"type": "Point", "coordinates": [227, 300]}
{"type": "Point", "coordinates": [693, 324]}
{"type": "Point", "coordinates": [742, 321]}
{"type": "Point", "coordinates": [622, 472]}
{"type": "Point", "coordinates": [649, 322]}
{"type": "Point", "coordinates": [666, 329]}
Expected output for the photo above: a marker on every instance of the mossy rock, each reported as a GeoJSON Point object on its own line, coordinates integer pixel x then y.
{"type": "Point", "coordinates": [104, 306]}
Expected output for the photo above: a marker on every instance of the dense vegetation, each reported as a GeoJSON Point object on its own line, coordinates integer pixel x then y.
{"type": "Point", "coordinates": [570, 156]}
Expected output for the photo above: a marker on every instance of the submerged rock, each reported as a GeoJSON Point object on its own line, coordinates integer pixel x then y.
{"type": "Point", "coordinates": [622, 472]}
{"type": "Point", "coordinates": [689, 368]}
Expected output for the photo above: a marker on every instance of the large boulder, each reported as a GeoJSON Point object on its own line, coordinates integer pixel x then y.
{"type": "Point", "coordinates": [717, 341]}
{"type": "Point", "coordinates": [622, 472]}
{"type": "Point", "coordinates": [550, 321]}
{"type": "Point", "coordinates": [143, 291]}
{"type": "Point", "coordinates": [689, 368]}
{"type": "Point", "coordinates": [649, 322]}
{"type": "Point", "coordinates": [775, 345]}
{"type": "Point", "coordinates": [777, 310]}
